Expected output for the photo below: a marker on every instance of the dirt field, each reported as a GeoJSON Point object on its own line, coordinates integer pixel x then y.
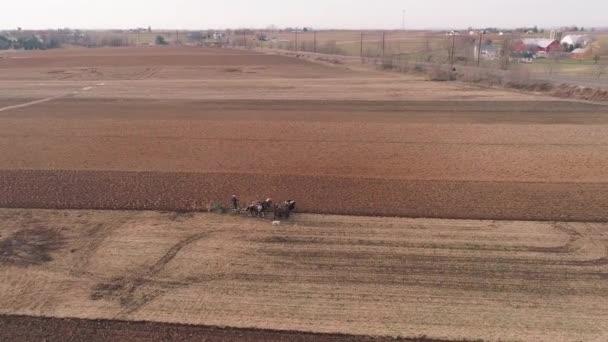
{"type": "Point", "coordinates": [25, 328]}
{"type": "Point", "coordinates": [177, 128]}
{"type": "Point", "coordinates": [444, 279]}
{"type": "Point", "coordinates": [109, 124]}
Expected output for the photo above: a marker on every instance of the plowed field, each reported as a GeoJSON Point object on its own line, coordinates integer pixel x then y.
{"type": "Point", "coordinates": [24, 328]}
{"type": "Point", "coordinates": [109, 147]}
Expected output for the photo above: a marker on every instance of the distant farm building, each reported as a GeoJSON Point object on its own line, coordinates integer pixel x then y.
{"type": "Point", "coordinates": [489, 51]}
{"type": "Point", "coordinates": [581, 53]}
{"type": "Point", "coordinates": [219, 35]}
{"type": "Point", "coordinates": [539, 47]}
{"type": "Point", "coordinates": [573, 41]}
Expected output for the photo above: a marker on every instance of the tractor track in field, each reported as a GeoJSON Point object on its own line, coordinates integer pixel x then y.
{"type": "Point", "coordinates": [139, 288]}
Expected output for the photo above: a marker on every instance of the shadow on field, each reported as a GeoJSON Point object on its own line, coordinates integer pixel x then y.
{"type": "Point", "coordinates": [30, 247]}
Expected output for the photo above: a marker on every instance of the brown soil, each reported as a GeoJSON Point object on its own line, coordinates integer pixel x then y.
{"type": "Point", "coordinates": [411, 148]}
{"type": "Point", "coordinates": [35, 329]}
{"type": "Point", "coordinates": [317, 194]}
{"type": "Point", "coordinates": [531, 160]}
{"type": "Point", "coordinates": [141, 57]}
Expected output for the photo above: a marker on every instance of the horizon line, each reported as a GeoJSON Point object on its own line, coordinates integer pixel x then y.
{"type": "Point", "coordinates": [587, 28]}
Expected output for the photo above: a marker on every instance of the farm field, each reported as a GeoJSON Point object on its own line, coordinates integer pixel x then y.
{"type": "Point", "coordinates": [163, 131]}
{"type": "Point", "coordinates": [448, 280]}
{"type": "Point", "coordinates": [177, 127]}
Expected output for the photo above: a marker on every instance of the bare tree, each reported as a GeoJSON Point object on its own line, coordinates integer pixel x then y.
{"type": "Point", "coordinates": [505, 53]}
{"type": "Point", "coordinates": [601, 70]}
{"type": "Point", "coordinates": [554, 59]}
{"type": "Point", "coordinates": [428, 56]}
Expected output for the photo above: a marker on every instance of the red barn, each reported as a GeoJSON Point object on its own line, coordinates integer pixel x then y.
{"type": "Point", "coordinates": [537, 45]}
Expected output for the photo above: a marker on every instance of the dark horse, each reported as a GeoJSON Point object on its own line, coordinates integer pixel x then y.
{"type": "Point", "coordinates": [284, 211]}
{"type": "Point", "coordinates": [255, 209]}
{"type": "Point", "coordinates": [259, 208]}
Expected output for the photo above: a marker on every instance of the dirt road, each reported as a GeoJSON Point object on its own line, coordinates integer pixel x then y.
{"type": "Point", "coordinates": [366, 276]}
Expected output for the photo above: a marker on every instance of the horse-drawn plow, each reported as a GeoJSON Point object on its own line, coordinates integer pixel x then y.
{"type": "Point", "coordinates": [266, 208]}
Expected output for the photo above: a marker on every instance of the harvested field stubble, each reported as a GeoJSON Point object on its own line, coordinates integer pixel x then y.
{"type": "Point", "coordinates": [320, 273]}
{"type": "Point", "coordinates": [450, 280]}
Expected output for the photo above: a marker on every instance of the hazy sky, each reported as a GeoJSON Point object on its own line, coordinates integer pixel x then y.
{"type": "Point", "coordinates": [386, 14]}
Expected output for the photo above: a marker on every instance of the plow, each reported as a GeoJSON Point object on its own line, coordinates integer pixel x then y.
{"type": "Point", "coordinates": [267, 208]}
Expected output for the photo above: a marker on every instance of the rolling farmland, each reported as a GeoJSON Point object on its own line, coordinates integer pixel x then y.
{"type": "Point", "coordinates": [162, 131]}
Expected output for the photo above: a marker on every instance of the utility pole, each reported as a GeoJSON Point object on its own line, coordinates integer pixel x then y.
{"type": "Point", "coordinates": [383, 43]}
{"type": "Point", "coordinates": [453, 46]}
{"type": "Point", "coordinates": [261, 41]}
{"type": "Point", "coordinates": [244, 38]}
{"type": "Point", "coordinates": [296, 48]}
{"type": "Point", "coordinates": [361, 46]}
{"type": "Point", "coordinates": [479, 49]}
{"type": "Point", "coordinates": [315, 41]}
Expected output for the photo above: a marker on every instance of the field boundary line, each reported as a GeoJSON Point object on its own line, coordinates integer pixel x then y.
{"type": "Point", "coordinates": [31, 103]}
{"type": "Point", "coordinates": [52, 98]}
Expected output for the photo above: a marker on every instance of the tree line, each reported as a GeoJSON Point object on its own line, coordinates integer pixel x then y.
{"type": "Point", "coordinates": [32, 42]}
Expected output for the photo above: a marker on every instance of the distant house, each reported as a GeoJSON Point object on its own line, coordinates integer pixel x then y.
{"type": "Point", "coordinates": [574, 41]}
{"type": "Point", "coordinates": [219, 35]}
{"type": "Point", "coordinates": [489, 51]}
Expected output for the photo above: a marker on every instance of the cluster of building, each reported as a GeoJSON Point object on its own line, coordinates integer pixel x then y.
{"type": "Point", "coordinates": [570, 46]}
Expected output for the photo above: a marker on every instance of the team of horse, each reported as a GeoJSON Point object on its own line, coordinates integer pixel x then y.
{"type": "Point", "coordinates": [280, 210]}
